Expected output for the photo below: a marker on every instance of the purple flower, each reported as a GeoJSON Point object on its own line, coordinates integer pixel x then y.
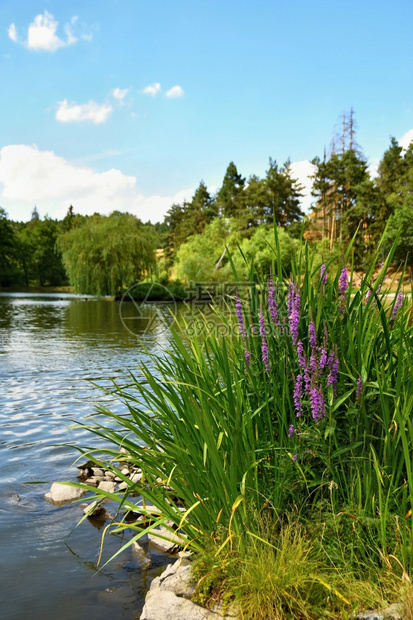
{"type": "Point", "coordinates": [242, 329]}
{"type": "Point", "coordinates": [294, 458]}
{"type": "Point", "coordinates": [333, 375]}
{"type": "Point", "coordinates": [342, 288]}
{"type": "Point", "coordinates": [313, 363]}
{"type": "Point", "coordinates": [307, 380]}
{"type": "Point", "coordinates": [399, 300]}
{"type": "Point", "coordinates": [313, 336]}
{"type": "Point", "coordinates": [323, 360]}
{"type": "Point", "coordinates": [291, 430]}
{"type": "Point", "coordinates": [294, 311]}
{"type": "Point", "coordinates": [359, 389]}
{"type": "Point", "coordinates": [297, 395]}
{"type": "Point", "coordinates": [272, 303]}
{"type": "Point", "coordinates": [317, 403]}
{"type": "Point", "coordinates": [323, 274]}
{"type": "Point", "coordinates": [264, 345]}
{"type": "Point", "coordinates": [301, 355]}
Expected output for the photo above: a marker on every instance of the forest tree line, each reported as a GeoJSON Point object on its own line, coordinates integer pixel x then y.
{"type": "Point", "coordinates": [105, 254]}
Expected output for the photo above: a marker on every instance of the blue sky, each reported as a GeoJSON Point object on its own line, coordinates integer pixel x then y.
{"type": "Point", "coordinates": [128, 104]}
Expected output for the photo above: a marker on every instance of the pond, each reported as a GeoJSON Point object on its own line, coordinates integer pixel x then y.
{"type": "Point", "coordinates": [51, 347]}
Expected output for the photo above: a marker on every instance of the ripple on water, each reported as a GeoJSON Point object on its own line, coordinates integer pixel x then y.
{"type": "Point", "coordinates": [50, 351]}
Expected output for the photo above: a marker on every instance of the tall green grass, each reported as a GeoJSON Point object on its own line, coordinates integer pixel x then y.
{"type": "Point", "coordinates": [213, 423]}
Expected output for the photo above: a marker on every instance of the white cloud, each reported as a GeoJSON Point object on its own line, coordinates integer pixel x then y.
{"type": "Point", "coordinates": [91, 111]}
{"type": "Point", "coordinates": [175, 91]}
{"type": "Point", "coordinates": [120, 93]}
{"type": "Point", "coordinates": [301, 170]}
{"type": "Point", "coordinates": [31, 177]}
{"type": "Point", "coordinates": [152, 89]}
{"type": "Point", "coordinates": [12, 32]}
{"type": "Point", "coordinates": [42, 34]}
{"type": "Point", "coordinates": [405, 140]}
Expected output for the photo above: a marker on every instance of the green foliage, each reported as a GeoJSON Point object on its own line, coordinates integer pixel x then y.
{"type": "Point", "coordinates": [106, 254]}
{"type": "Point", "coordinates": [204, 258]}
{"type": "Point", "coordinates": [7, 250]}
{"type": "Point", "coordinates": [219, 429]}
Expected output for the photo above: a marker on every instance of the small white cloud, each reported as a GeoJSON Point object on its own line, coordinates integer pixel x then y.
{"type": "Point", "coordinates": [174, 92]}
{"type": "Point", "coordinates": [42, 34]}
{"type": "Point", "coordinates": [12, 32]}
{"type": "Point", "coordinates": [405, 140]}
{"type": "Point", "coordinates": [29, 176]}
{"type": "Point", "coordinates": [302, 170]}
{"type": "Point", "coordinates": [91, 111]}
{"type": "Point", "coordinates": [120, 93]}
{"type": "Point", "coordinates": [152, 89]}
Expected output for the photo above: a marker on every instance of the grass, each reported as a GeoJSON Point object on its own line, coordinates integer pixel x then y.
{"type": "Point", "coordinates": [286, 444]}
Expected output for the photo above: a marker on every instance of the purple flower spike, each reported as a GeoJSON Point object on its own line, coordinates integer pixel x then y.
{"type": "Point", "coordinates": [399, 300]}
{"type": "Point", "coordinates": [323, 360]}
{"type": "Point", "coordinates": [323, 274]}
{"type": "Point", "coordinates": [294, 458]}
{"type": "Point", "coordinates": [313, 337]}
{"type": "Point", "coordinates": [298, 388]}
{"type": "Point", "coordinates": [272, 303]}
{"type": "Point", "coordinates": [333, 376]}
{"type": "Point", "coordinates": [342, 288]}
{"type": "Point", "coordinates": [291, 430]}
{"type": "Point", "coordinates": [317, 404]}
{"type": "Point", "coordinates": [242, 329]}
{"type": "Point", "coordinates": [359, 389]}
{"type": "Point", "coordinates": [294, 311]}
{"type": "Point", "coordinates": [301, 355]}
{"type": "Point", "coordinates": [264, 345]}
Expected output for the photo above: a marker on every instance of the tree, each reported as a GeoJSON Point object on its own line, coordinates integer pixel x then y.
{"type": "Point", "coordinates": [230, 196]}
{"type": "Point", "coordinates": [106, 254]}
{"type": "Point", "coordinates": [8, 246]}
{"type": "Point", "coordinates": [278, 195]}
{"type": "Point", "coordinates": [401, 227]}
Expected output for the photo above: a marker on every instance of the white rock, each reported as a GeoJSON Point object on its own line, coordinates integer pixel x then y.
{"type": "Point", "coordinates": [109, 475]}
{"type": "Point", "coordinates": [60, 493]}
{"type": "Point", "coordinates": [97, 471]}
{"type": "Point", "coordinates": [123, 486]}
{"type": "Point", "coordinates": [107, 485]}
{"type": "Point", "coordinates": [93, 481]}
{"type": "Point", "coordinates": [140, 556]}
{"type": "Point", "coordinates": [161, 543]}
{"type": "Point", "coordinates": [125, 471]}
{"type": "Point", "coordinates": [135, 478]}
{"type": "Point", "coordinates": [166, 599]}
{"type": "Point", "coordinates": [95, 509]}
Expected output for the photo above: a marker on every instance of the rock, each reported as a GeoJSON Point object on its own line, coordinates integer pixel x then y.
{"type": "Point", "coordinates": [168, 597]}
{"type": "Point", "coordinates": [109, 476]}
{"type": "Point", "coordinates": [161, 543]}
{"type": "Point", "coordinates": [140, 556]}
{"type": "Point", "coordinates": [95, 510]}
{"type": "Point", "coordinates": [123, 486]}
{"type": "Point", "coordinates": [93, 481]}
{"type": "Point", "coordinates": [97, 471]}
{"type": "Point", "coordinates": [125, 471]}
{"type": "Point", "coordinates": [107, 485]}
{"type": "Point", "coordinates": [394, 612]}
{"type": "Point", "coordinates": [137, 477]}
{"type": "Point", "coordinates": [61, 493]}
{"type": "Point", "coordinates": [117, 479]}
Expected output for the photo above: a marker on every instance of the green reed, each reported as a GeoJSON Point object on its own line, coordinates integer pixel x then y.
{"type": "Point", "coordinates": [223, 425]}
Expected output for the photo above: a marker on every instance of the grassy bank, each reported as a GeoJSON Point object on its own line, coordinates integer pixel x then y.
{"type": "Point", "coordinates": [286, 444]}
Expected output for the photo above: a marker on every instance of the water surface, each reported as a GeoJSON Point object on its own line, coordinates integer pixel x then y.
{"type": "Point", "coordinates": [51, 346]}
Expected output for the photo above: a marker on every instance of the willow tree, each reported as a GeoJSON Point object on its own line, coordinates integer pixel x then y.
{"type": "Point", "coordinates": [106, 254]}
